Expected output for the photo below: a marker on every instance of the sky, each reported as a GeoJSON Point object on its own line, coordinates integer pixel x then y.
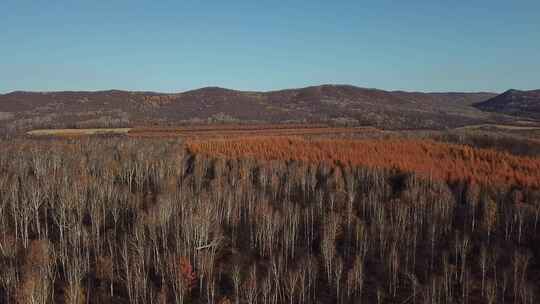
{"type": "Point", "coordinates": [173, 46]}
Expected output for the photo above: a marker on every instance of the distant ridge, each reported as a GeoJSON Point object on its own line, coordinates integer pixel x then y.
{"type": "Point", "coordinates": [218, 88]}
{"type": "Point", "coordinates": [514, 102]}
{"type": "Point", "coordinates": [330, 104]}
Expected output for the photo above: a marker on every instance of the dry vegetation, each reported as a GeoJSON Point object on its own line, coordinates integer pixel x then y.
{"type": "Point", "coordinates": [523, 127]}
{"type": "Point", "coordinates": [77, 132]}
{"type": "Point", "coordinates": [228, 131]}
{"type": "Point", "coordinates": [123, 220]}
{"type": "Point", "coordinates": [522, 144]}
{"type": "Point", "coordinates": [215, 131]}
{"type": "Point", "coordinates": [446, 162]}
{"type": "Point", "coordinates": [327, 104]}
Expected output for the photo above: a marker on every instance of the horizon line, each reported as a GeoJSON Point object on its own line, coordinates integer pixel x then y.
{"type": "Point", "coordinates": [249, 90]}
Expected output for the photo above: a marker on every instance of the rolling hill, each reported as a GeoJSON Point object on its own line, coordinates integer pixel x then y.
{"type": "Point", "coordinates": [514, 102]}
{"type": "Point", "coordinates": [331, 104]}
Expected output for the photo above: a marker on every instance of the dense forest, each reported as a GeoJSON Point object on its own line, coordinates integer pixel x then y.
{"type": "Point", "coordinates": [429, 158]}
{"type": "Point", "coordinates": [126, 220]}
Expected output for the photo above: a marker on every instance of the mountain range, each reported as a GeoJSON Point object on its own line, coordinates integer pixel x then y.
{"type": "Point", "coordinates": [331, 104]}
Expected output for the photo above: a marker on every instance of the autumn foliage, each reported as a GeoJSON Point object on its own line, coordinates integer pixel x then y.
{"type": "Point", "coordinates": [442, 161]}
{"type": "Point", "coordinates": [187, 274]}
{"type": "Point", "coordinates": [112, 220]}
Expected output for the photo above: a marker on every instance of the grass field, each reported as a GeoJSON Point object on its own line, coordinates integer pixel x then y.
{"type": "Point", "coordinates": [215, 131]}
{"type": "Point", "coordinates": [529, 127]}
{"type": "Point", "coordinates": [239, 130]}
{"type": "Point", "coordinates": [249, 130]}
{"type": "Point", "coordinates": [77, 132]}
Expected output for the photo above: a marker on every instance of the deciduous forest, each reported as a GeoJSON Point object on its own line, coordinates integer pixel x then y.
{"type": "Point", "coordinates": [267, 152]}
{"type": "Point", "coordinates": [266, 220]}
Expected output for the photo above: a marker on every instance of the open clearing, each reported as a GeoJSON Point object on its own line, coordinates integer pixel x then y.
{"type": "Point", "coordinates": [501, 127]}
{"type": "Point", "coordinates": [77, 132]}
{"type": "Point", "coordinates": [234, 131]}
{"type": "Point", "coordinates": [214, 131]}
{"type": "Point", "coordinates": [252, 130]}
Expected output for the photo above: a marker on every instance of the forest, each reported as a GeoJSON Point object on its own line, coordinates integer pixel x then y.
{"type": "Point", "coordinates": [267, 220]}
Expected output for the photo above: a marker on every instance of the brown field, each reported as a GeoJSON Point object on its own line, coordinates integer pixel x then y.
{"type": "Point", "coordinates": [526, 127]}
{"type": "Point", "coordinates": [212, 131]}
{"type": "Point", "coordinates": [77, 132]}
{"type": "Point", "coordinates": [248, 130]}
{"type": "Point", "coordinates": [449, 162]}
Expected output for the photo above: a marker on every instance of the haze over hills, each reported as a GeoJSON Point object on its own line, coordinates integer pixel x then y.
{"type": "Point", "coordinates": [514, 102]}
{"type": "Point", "coordinates": [332, 104]}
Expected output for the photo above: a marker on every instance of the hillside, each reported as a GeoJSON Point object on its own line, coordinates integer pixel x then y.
{"type": "Point", "coordinates": [331, 104]}
{"type": "Point", "coordinates": [514, 102]}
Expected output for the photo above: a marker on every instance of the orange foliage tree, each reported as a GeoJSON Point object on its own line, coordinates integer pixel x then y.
{"type": "Point", "coordinates": [442, 161]}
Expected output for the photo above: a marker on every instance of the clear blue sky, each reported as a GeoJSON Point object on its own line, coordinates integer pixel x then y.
{"type": "Point", "coordinates": [425, 45]}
